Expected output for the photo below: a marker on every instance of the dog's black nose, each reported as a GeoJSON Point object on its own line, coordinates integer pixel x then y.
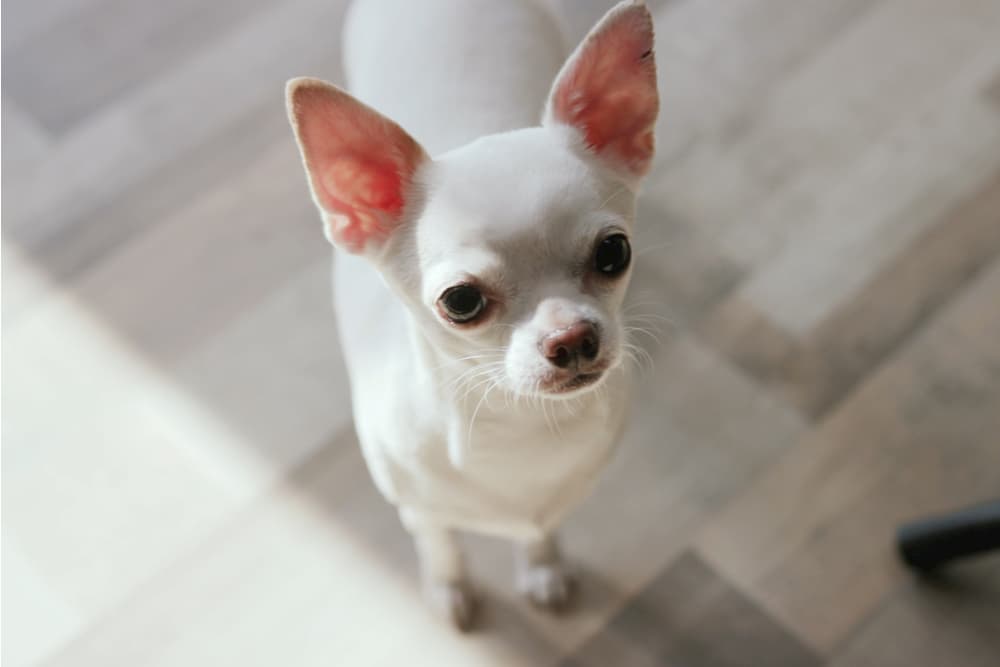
{"type": "Point", "coordinates": [577, 344]}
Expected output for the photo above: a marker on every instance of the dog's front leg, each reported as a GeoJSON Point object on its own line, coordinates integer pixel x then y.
{"type": "Point", "coordinates": [442, 569]}
{"type": "Point", "coordinates": [542, 575]}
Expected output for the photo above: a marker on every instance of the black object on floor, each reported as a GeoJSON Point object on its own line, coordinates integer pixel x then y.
{"type": "Point", "coordinates": [929, 543]}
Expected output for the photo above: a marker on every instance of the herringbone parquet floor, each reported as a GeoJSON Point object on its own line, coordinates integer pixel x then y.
{"type": "Point", "coordinates": [181, 484]}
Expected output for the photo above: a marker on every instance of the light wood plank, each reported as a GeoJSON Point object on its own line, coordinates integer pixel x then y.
{"type": "Point", "coordinates": [90, 58]}
{"type": "Point", "coordinates": [210, 261]}
{"type": "Point", "coordinates": [181, 109]}
{"type": "Point", "coordinates": [812, 539]}
{"type": "Point", "coordinates": [952, 620]}
{"type": "Point", "coordinates": [714, 625]}
{"type": "Point", "coordinates": [783, 167]}
{"type": "Point", "coordinates": [25, 142]}
{"type": "Point", "coordinates": [24, 285]}
{"type": "Point", "coordinates": [26, 20]}
{"type": "Point", "coordinates": [818, 370]}
{"type": "Point", "coordinates": [716, 59]}
{"type": "Point", "coordinates": [105, 460]}
{"type": "Point", "coordinates": [93, 233]}
{"type": "Point", "coordinates": [275, 372]}
{"type": "Point", "coordinates": [829, 257]}
{"type": "Point", "coordinates": [44, 620]}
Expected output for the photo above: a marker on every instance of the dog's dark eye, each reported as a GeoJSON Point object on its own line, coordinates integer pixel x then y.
{"type": "Point", "coordinates": [462, 303]}
{"type": "Point", "coordinates": [612, 255]}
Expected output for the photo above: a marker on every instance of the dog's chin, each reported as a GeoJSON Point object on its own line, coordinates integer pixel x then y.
{"type": "Point", "coordinates": [561, 386]}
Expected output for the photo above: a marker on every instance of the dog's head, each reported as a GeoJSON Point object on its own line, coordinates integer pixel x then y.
{"type": "Point", "coordinates": [512, 252]}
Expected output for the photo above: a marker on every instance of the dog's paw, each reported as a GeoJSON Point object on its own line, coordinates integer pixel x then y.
{"type": "Point", "coordinates": [550, 586]}
{"type": "Point", "coordinates": [455, 601]}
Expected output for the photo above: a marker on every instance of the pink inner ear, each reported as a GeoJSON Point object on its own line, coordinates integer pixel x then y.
{"type": "Point", "coordinates": [608, 89]}
{"type": "Point", "coordinates": [360, 163]}
{"type": "Point", "coordinates": [364, 196]}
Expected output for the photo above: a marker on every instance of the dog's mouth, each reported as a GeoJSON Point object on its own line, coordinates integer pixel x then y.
{"type": "Point", "coordinates": [562, 386]}
{"type": "Point", "coordinates": [582, 380]}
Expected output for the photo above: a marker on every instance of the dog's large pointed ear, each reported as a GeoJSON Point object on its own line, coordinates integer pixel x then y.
{"type": "Point", "coordinates": [359, 163]}
{"type": "Point", "coordinates": [607, 90]}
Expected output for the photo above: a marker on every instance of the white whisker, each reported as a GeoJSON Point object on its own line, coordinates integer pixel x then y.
{"type": "Point", "coordinates": [472, 420]}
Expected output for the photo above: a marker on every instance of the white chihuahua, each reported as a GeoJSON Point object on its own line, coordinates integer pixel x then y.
{"type": "Point", "coordinates": [479, 291]}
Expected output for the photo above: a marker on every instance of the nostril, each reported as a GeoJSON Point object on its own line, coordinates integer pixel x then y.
{"type": "Point", "coordinates": [572, 345]}
{"type": "Point", "coordinates": [561, 357]}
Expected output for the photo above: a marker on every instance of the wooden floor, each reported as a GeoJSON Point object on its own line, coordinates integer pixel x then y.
{"type": "Point", "coordinates": [181, 483]}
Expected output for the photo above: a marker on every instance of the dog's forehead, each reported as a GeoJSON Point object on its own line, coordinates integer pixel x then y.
{"type": "Point", "coordinates": [521, 184]}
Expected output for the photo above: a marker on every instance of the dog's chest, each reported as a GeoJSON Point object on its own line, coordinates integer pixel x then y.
{"type": "Point", "coordinates": [509, 472]}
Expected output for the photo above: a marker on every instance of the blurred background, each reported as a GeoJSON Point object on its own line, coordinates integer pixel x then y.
{"type": "Point", "coordinates": [181, 481]}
